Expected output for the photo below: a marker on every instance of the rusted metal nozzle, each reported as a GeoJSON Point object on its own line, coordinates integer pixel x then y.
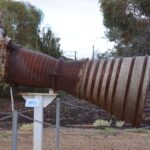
{"type": "Point", "coordinates": [119, 85]}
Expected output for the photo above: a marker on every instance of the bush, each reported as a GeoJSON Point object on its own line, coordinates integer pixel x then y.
{"type": "Point", "coordinates": [101, 123]}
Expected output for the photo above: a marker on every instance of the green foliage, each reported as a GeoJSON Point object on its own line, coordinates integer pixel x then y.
{"type": "Point", "coordinates": [127, 23]}
{"type": "Point", "coordinates": [49, 44]}
{"type": "Point", "coordinates": [106, 55]}
{"type": "Point", "coordinates": [101, 123]}
{"type": "Point", "coordinates": [22, 23]}
{"type": "Point", "coordinates": [26, 127]}
{"type": "Point", "coordinates": [4, 134]}
{"type": "Point", "coordinates": [137, 130]}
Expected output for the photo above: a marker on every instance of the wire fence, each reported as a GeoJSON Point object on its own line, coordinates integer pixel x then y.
{"type": "Point", "coordinates": [25, 130]}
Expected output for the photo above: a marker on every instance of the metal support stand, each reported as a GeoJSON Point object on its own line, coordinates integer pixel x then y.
{"type": "Point", "coordinates": [38, 101]}
{"type": "Point", "coordinates": [57, 123]}
{"type": "Point", "coordinates": [14, 128]}
{"type": "Point", "coordinates": [38, 125]}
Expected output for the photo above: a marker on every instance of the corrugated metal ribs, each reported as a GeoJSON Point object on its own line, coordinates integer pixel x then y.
{"type": "Point", "coordinates": [117, 85]}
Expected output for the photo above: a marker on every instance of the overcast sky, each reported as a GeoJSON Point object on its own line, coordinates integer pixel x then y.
{"type": "Point", "coordinates": [78, 23]}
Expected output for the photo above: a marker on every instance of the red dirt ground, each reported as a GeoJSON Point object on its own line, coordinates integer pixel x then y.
{"type": "Point", "coordinates": [82, 139]}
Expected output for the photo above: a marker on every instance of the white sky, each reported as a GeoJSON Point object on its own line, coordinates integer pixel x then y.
{"type": "Point", "coordinates": [78, 23]}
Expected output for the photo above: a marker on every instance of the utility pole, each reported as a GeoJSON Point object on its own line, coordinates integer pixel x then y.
{"type": "Point", "coordinates": [75, 55]}
{"type": "Point", "coordinates": [93, 52]}
{"type": "Point", "coordinates": [93, 48]}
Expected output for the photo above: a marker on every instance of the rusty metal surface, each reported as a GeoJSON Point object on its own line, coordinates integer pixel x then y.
{"type": "Point", "coordinates": [118, 85]}
{"type": "Point", "coordinates": [35, 69]}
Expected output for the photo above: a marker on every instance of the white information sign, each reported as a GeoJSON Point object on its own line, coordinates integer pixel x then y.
{"type": "Point", "coordinates": [33, 103]}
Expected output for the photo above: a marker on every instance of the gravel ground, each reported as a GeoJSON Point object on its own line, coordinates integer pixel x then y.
{"type": "Point", "coordinates": [82, 139]}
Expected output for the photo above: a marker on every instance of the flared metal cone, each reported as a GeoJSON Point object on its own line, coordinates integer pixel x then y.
{"type": "Point", "coordinates": [119, 85]}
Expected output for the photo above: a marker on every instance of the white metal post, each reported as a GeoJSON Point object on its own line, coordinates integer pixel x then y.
{"type": "Point", "coordinates": [38, 101]}
{"type": "Point", "coordinates": [38, 125]}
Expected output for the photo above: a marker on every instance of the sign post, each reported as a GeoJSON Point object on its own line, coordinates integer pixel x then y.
{"type": "Point", "coordinates": [38, 101]}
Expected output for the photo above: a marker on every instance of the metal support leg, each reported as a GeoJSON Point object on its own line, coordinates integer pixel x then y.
{"type": "Point", "coordinates": [57, 123]}
{"type": "Point", "coordinates": [14, 128]}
